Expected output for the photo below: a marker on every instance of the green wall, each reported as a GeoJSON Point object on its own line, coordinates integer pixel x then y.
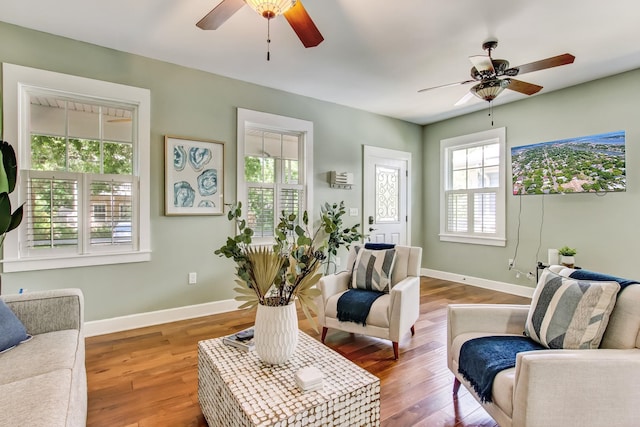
{"type": "Point", "coordinates": [196, 104]}
{"type": "Point", "coordinates": [603, 229]}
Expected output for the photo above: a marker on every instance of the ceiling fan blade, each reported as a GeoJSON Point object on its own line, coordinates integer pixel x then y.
{"type": "Point", "coordinates": [220, 14]}
{"type": "Point", "coordinates": [482, 63]}
{"type": "Point", "coordinates": [555, 61]}
{"type": "Point", "coordinates": [464, 99]}
{"type": "Point", "coordinates": [523, 87]}
{"type": "Point", "coordinates": [302, 24]}
{"type": "Point", "coordinates": [447, 85]}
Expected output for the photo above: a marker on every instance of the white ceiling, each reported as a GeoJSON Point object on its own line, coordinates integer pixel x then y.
{"type": "Point", "coordinates": [376, 54]}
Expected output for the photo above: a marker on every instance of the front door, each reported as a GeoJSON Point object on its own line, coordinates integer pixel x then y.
{"type": "Point", "coordinates": [386, 195]}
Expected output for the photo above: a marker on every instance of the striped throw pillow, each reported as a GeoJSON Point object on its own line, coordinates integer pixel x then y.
{"type": "Point", "coordinates": [570, 314]}
{"type": "Point", "coordinates": [372, 269]}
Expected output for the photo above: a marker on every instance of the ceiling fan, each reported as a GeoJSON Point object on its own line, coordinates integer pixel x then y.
{"type": "Point", "coordinates": [486, 73]}
{"type": "Point", "coordinates": [293, 11]}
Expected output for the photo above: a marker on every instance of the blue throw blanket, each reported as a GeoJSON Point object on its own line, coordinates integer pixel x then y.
{"type": "Point", "coordinates": [482, 358]}
{"type": "Point", "coordinates": [592, 275]}
{"type": "Point", "coordinates": [379, 246]}
{"type": "Point", "coordinates": [355, 304]}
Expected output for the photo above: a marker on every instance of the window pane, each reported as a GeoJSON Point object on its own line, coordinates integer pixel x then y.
{"type": "Point", "coordinates": [52, 213]}
{"type": "Point", "coordinates": [491, 177]}
{"type": "Point", "coordinates": [118, 158]}
{"type": "Point", "coordinates": [474, 157]}
{"type": "Point", "coordinates": [84, 156]}
{"type": "Point", "coordinates": [117, 124]}
{"type": "Point", "coordinates": [113, 225]}
{"type": "Point", "coordinates": [459, 159]}
{"type": "Point", "coordinates": [290, 172]}
{"type": "Point", "coordinates": [484, 213]}
{"type": "Point", "coordinates": [48, 153]}
{"type": "Point", "coordinates": [459, 180]}
{"type": "Point", "coordinates": [457, 213]}
{"type": "Point", "coordinates": [259, 169]}
{"type": "Point", "coordinates": [84, 120]}
{"type": "Point", "coordinates": [260, 213]}
{"type": "Point", "coordinates": [491, 154]}
{"type": "Point", "coordinates": [474, 178]}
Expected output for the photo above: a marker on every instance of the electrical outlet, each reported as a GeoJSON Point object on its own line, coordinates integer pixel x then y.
{"type": "Point", "coordinates": [193, 278]}
{"type": "Point", "coordinates": [510, 262]}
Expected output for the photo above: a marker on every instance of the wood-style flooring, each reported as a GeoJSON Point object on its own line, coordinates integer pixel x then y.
{"type": "Point", "coordinates": [148, 377]}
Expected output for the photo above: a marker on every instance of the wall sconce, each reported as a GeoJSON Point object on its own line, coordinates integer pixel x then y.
{"type": "Point", "coordinates": [342, 180]}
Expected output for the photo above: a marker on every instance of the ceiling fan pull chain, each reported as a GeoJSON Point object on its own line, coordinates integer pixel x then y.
{"type": "Point", "coordinates": [491, 112]}
{"type": "Point", "coordinates": [268, 39]}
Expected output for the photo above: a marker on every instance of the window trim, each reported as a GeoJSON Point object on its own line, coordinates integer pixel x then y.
{"type": "Point", "coordinates": [479, 138]}
{"type": "Point", "coordinates": [17, 81]}
{"type": "Point", "coordinates": [250, 118]}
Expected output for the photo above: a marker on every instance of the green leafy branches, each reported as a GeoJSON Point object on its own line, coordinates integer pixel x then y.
{"type": "Point", "coordinates": [8, 173]}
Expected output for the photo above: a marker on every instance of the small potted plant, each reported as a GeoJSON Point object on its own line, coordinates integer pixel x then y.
{"type": "Point", "coordinates": [567, 256]}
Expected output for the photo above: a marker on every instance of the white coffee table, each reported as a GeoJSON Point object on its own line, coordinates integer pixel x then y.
{"type": "Point", "coordinates": [236, 389]}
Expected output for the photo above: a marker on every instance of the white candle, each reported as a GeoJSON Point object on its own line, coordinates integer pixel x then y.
{"type": "Point", "coordinates": [552, 257]}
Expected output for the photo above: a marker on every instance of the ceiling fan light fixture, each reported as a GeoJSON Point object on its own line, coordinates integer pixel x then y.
{"type": "Point", "coordinates": [270, 8]}
{"type": "Point", "coordinates": [490, 89]}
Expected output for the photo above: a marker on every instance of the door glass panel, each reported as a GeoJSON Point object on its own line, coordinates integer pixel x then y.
{"type": "Point", "coordinates": [387, 194]}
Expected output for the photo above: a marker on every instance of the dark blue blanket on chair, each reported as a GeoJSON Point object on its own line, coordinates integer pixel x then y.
{"type": "Point", "coordinates": [592, 275]}
{"type": "Point", "coordinates": [481, 359]}
{"type": "Point", "coordinates": [355, 304]}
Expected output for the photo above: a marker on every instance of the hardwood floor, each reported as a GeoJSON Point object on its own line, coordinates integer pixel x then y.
{"type": "Point", "coordinates": [148, 376]}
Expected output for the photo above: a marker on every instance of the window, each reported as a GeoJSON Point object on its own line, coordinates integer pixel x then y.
{"type": "Point", "coordinates": [83, 159]}
{"type": "Point", "coordinates": [274, 167]}
{"type": "Point", "coordinates": [472, 197]}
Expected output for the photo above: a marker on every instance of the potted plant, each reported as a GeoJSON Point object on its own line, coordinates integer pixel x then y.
{"type": "Point", "coordinates": [567, 256]}
{"type": "Point", "coordinates": [274, 277]}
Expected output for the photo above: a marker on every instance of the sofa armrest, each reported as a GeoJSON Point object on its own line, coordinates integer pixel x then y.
{"type": "Point", "coordinates": [404, 306]}
{"type": "Point", "coordinates": [577, 387]}
{"type": "Point", "coordinates": [48, 311]}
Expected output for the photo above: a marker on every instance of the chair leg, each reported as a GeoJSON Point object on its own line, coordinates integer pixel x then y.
{"type": "Point", "coordinates": [324, 333]}
{"type": "Point", "coordinates": [413, 330]}
{"type": "Point", "coordinates": [395, 350]}
{"type": "Point", "coordinates": [456, 386]}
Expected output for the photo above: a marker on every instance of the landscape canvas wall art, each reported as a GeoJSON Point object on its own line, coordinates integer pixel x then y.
{"type": "Point", "coordinates": [587, 164]}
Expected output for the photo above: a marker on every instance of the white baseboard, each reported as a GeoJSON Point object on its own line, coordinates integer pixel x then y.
{"type": "Point", "coordinates": [510, 288]}
{"type": "Point", "coordinates": [140, 320]}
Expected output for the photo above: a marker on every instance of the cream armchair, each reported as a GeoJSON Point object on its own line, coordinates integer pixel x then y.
{"type": "Point", "coordinates": [391, 315]}
{"type": "Point", "coordinates": [547, 388]}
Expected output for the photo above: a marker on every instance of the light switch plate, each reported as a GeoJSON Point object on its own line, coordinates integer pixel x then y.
{"type": "Point", "coordinates": [353, 211]}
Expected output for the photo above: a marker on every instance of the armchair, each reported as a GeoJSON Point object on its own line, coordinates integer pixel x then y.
{"type": "Point", "coordinates": [548, 388]}
{"type": "Point", "coordinates": [391, 315]}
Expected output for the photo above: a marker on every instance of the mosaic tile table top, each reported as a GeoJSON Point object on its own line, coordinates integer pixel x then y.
{"type": "Point", "coordinates": [236, 389]}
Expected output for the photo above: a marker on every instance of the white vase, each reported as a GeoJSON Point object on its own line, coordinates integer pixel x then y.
{"type": "Point", "coordinates": [276, 333]}
{"type": "Point", "coordinates": [567, 261]}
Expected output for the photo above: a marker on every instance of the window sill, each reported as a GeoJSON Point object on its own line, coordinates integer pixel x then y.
{"type": "Point", "coordinates": [474, 240]}
{"type": "Point", "coordinates": [50, 263]}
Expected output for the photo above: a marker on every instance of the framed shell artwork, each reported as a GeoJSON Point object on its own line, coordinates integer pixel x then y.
{"type": "Point", "coordinates": [194, 176]}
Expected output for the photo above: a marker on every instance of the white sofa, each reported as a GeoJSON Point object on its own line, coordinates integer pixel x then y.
{"type": "Point", "coordinates": [43, 382]}
{"type": "Point", "coordinates": [391, 315]}
{"type": "Point", "coordinates": [547, 388]}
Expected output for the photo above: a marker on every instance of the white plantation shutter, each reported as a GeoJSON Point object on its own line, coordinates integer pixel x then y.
{"type": "Point", "coordinates": [473, 192]}
{"type": "Point", "coordinates": [54, 209]}
{"type": "Point", "coordinates": [457, 212]}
